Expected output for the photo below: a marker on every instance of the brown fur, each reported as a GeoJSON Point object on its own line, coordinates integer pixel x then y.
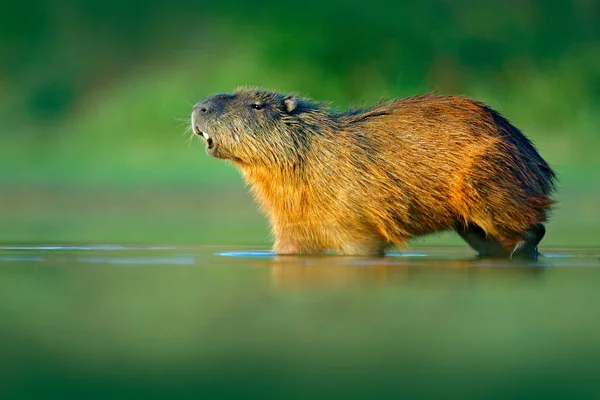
{"type": "Point", "coordinates": [363, 180]}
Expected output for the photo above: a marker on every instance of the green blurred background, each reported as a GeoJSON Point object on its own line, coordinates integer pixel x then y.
{"type": "Point", "coordinates": [95, 99]}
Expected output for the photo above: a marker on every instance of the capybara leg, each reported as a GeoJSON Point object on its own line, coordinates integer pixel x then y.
{"type": "Point", "coordinates": [485, 246]}
{"type": "Point", "coordinates": [526, 248]}
{"type": "Point", "coordinates": [367, 245]}
{"type": "Point", "coordinates": [287, 246]}
{"type": "Point", "coordinates": [363, 249]}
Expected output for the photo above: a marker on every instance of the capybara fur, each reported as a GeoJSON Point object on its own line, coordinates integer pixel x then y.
{"type": "Point", "coordinates": [361, 181]}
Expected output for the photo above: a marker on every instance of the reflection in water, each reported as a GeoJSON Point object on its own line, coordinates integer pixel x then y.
{"type": "Point", "coordinates": [301, 271]}
{"type": "Point", "coordinates": [397, 268]}
{"type": "Point", "coordinates": [141, 320]}
{"type": "Point", "coordinates": [21, 258]}
{"type": "Point", "coordinates": [181, 260]}
{"type": "Point", "coordinates": [93, 247]}
{"type": "Point", "coordinates": [250, 254]}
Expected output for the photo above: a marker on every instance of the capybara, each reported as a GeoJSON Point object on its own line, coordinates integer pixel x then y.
{"type": "Point", "coordinates": [363, 180]}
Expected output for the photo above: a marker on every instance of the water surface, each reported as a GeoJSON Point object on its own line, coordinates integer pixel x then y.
{"type": "Point", "coordinates": [162, 321]}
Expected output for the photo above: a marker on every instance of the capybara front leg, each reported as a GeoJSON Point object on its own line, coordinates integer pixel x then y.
{"type": "Point", "coordinates": [292, 243]}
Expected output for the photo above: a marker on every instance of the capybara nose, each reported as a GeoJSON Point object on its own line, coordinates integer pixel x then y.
{"type": "Point", "coordinates": [212, 105]}
{"type": "Point", "coordinates": [204, 106]}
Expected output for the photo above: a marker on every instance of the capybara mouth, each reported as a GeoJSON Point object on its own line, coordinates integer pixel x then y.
{"type": "Point", "coordinates": [206, 137]}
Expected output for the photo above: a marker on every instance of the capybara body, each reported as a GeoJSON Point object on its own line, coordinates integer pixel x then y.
{"type": "Point", "coordinates": [363, 180]}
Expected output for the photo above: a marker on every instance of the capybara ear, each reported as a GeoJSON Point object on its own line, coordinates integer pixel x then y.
{"type": "Point", "coordinates": [290, 103]}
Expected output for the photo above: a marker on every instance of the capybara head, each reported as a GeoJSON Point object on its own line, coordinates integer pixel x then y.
{"type": "Point", "coordinates": [254, 126]}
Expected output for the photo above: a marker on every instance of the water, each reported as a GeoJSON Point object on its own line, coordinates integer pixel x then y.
{"type": "Point", "coordinates": [110, 321]}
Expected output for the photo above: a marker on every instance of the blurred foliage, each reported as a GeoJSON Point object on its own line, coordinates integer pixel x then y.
{"type": "Point", "coordinates": [97, 94]}
{"type": "Point", "coordinates": [537, 61]}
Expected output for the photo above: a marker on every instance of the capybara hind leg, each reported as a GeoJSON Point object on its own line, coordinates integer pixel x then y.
{"type": "Point", "coordinates": [485, 246]}
{"type": "Point", "coordinates": [526, 248]}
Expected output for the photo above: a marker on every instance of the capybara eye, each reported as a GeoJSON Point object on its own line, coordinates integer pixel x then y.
{"type": "Point", "coordinates": [257, 106]}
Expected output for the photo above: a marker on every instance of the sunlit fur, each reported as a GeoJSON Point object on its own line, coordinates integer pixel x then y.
{"type": "Point", "coordinates": [361, 181]}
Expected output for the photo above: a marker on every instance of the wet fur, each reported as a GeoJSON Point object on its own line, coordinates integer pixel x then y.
{"type": "Point", "coordinates": [364, 180]}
